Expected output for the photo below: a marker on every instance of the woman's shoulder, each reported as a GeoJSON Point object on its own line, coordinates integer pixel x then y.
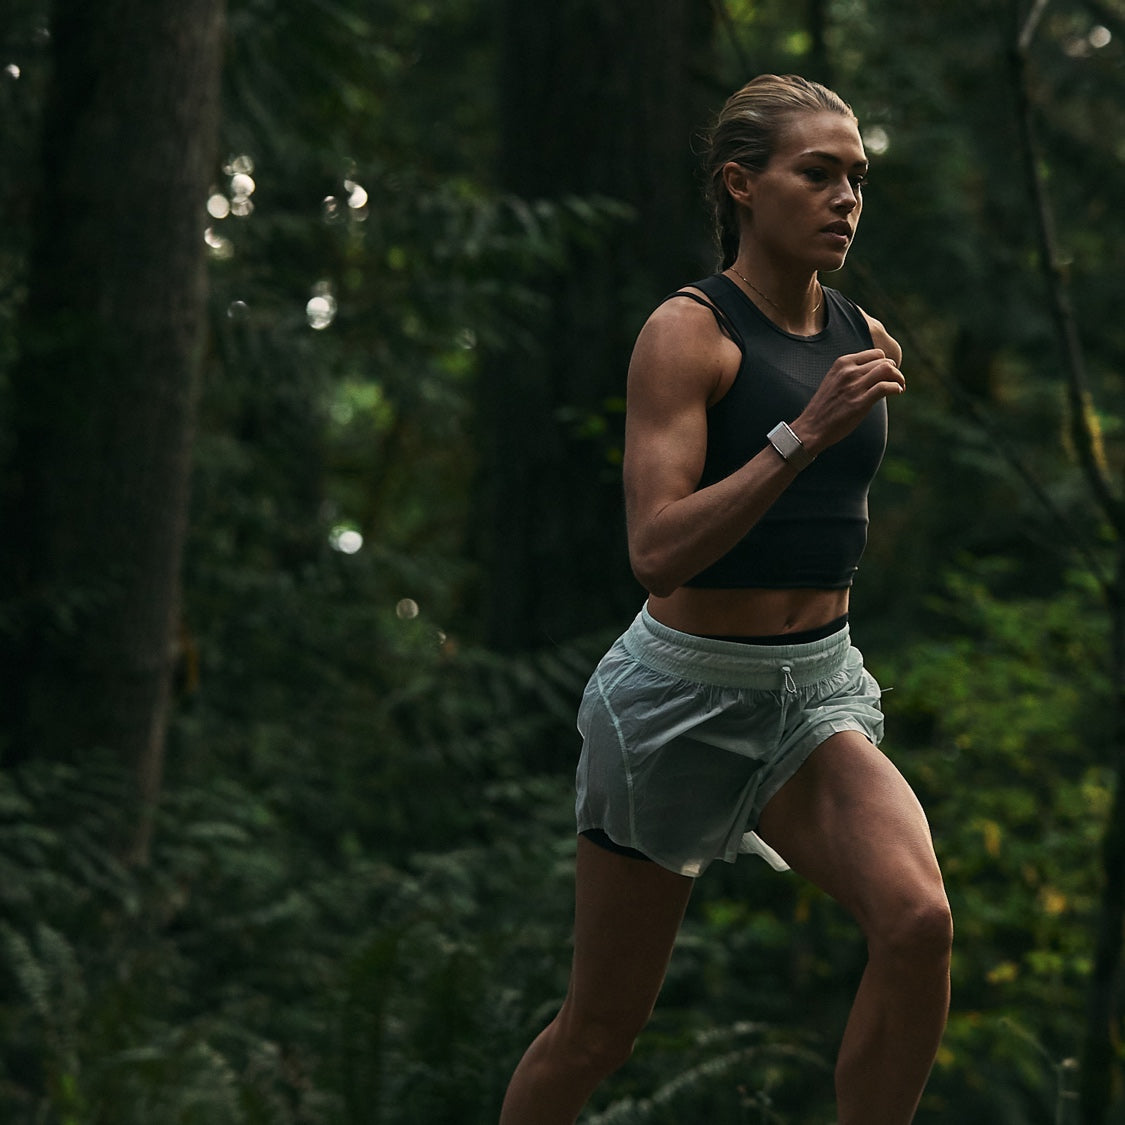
{"type": "Point", "coordinates": [691, 310]}
{"type": "Point", "coordinates": [880, 337]}
{"type": "Point", "coordinates": [684, 342]}
{"type": "Point", "coordinates": [686, 318]}
{"type": "Point", "coordinates": [700, 310]}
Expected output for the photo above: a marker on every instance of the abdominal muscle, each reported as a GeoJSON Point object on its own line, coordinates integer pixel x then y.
{"type": "Point", "coordinates": [747, 613]}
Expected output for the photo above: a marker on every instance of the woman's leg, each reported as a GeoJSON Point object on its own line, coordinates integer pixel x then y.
{"type": "Point", "coordinates": [627, 914]}
{"type": "Point", "coordinates": [850, 823]}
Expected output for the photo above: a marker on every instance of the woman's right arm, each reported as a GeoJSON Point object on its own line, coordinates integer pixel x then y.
{"type": "Point", "coordinates": [681, 363]}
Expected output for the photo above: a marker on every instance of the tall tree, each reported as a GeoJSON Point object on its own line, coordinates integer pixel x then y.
{"type": "Point", "coordinates": [104, 389]}
{"type": "Point", "coordinates": [597, 100]}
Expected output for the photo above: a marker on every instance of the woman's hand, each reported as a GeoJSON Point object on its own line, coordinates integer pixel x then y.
{"type": "Point", "coordinates": [853, 385]}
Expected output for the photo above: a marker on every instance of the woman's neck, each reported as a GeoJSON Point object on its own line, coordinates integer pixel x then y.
{"type": "Point", "coordinates": [792, 302]}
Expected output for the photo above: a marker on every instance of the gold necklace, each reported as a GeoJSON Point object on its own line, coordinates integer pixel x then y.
{"type": "Point", "coordinates": [772, 302]}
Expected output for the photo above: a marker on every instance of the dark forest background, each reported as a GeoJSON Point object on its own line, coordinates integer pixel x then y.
{"type": "Point", "coordinates": [314, 320]}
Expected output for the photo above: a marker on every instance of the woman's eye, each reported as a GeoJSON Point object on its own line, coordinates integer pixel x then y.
{"type": "Point", "coordinates": [817, 175]}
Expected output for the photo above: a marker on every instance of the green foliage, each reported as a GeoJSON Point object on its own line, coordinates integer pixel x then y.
{"type": "Point", "coordinates": [716, 1078]}
{"type": "Point", "coordinates": [248, 978]}
{"type": "Point", "coordinates": [999, 721]}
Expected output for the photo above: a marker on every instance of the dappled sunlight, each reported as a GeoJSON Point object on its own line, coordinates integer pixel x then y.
{"type": "Point", "coordinates": [407, 609]}
{"type": "Point", "coordinates": [1082, 46]}
{"type": "Point", "coordinates": [321, 307]}
{"type": "Point", "coordinates": [220, 247]}
{"type": "Point", "coordinates": [234, 201]}
{"type": "Point", "coordinates": [357, 199]}
{"type": "Point", "coordinates": [1100, 37]}
{"type": "Point", "coordinates": [242, 185]}
{"type": "Point", "coordinates": [876, 140]}
{"type": "Point", "coordinates": [354, 204]}
{"type": "Point", "coordinates": [241, 188]}
{"type": "Point", "coordinates": [345, 539]}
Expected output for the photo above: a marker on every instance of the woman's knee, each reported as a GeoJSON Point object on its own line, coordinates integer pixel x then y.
{"type": "Point", "coordinates": [596, 1043]}
{"type": "Point", "coordinates": [918, 929]}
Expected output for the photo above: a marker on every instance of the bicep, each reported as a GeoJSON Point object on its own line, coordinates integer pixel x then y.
{"type": "Point", "coordinates": [665, 446]}
{"type": "Point", "coordinates": [678, 363]}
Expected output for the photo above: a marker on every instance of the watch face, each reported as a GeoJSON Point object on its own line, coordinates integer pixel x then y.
{"type": "Point", "coordinates": [786, 442]}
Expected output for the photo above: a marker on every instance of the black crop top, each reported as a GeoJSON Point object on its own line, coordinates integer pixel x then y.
{"type": "Point", "coordinates": [813, 535]}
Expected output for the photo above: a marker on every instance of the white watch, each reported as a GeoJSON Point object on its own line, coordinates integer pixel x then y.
{"type": "Point", "coordinates": [790, 446]}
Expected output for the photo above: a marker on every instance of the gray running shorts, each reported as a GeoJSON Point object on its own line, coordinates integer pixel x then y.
{"type": "Point", "coordinates": [686, 738]}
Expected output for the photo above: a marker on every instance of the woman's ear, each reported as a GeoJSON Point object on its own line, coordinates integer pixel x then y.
{"type": "Point", "coordinates": [739, 181]}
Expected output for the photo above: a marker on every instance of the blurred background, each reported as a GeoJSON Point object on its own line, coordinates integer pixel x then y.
{"type": "Point", "coordinates": [314, 320]}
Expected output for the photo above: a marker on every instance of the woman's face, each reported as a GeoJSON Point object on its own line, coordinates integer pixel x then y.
{"type": "Point", "coordinates": [803, 208]}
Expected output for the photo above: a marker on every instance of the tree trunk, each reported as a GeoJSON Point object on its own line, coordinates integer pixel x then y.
{"type": "Point", "coordinates": [104, 390]}
{"type": "Point", "coordinates": [597, 98]}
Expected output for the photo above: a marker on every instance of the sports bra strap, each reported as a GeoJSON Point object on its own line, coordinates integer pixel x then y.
{"type": "Point", "coordinates": [726, 325]}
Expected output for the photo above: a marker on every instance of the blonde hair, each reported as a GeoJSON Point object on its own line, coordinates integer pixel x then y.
{"type": "Point", "coordinates": [746, 132]}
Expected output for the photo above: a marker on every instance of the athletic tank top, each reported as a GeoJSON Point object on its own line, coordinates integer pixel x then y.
{"type": "Point", "coordinates": [813, 535]}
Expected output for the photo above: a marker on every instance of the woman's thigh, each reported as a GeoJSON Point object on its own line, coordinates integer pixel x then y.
{"type": "Point", "coordinates": [849, 822]}
{"type": "Point", "coordinates": [627, 914]}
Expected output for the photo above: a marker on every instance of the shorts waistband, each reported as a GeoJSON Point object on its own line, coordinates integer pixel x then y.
{"type": "Point", "coordinates": [706, 660]}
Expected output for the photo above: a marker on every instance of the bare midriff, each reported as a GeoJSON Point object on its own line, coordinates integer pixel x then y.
{"type": "Point", "coordinates": [747, 613]}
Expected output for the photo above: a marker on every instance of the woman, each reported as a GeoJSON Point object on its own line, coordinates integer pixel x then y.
{"type": "Point", "coordinates": [734, 714]}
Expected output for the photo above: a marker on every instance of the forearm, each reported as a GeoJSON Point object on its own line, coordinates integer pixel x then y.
{"type": "Point", "coordinates": [689, 534]}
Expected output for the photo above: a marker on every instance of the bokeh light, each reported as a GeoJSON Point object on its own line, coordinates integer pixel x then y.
{"type": "Point", "coordinates": [219, 247]}
{"type": "Point", "coordinates": [345, 539]}
{"type": "Point", "coordinates": [876, 140]}
{"type": "Point", "coordinates": [321, 307]}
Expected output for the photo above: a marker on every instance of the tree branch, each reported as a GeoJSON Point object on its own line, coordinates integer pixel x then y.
{"type": "Point", "coordinates": [724, 17]}
{"type": "Point", "coordinates": [1066, 329]}
{"type": "Point", "coordinates": [1031, 25]}
{"type": "Point", "coordinates": [1069, 534]}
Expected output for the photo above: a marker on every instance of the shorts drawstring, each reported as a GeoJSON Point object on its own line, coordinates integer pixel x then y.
{"type": "Point", "coordinates": [790, 690]}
